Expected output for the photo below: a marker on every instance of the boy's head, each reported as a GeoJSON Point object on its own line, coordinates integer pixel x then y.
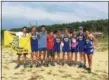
{"type": "Point", "coordinates": [87, 33]}
{"type": "Point", "coordinates": [73, 32]}
{"type": "Point", "coordinates": [66, 30]}
{"type": "Point", "coordinates": [43, 29]}
{"type": "Point", "coordinates": [24, 29]}
{"type": "Point", "coordinates": [81, 29]}
{"type": "Point", "coordinates": [58, 32]}
{"type": "Point", "coordinates": [50, 33]}
{"type": "Point", "coordinates": [33, 29]}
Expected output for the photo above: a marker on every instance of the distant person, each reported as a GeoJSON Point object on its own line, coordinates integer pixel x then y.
{"type": "Point", "coordinates": [81, 44]}
{"type": "Point", "coordinates": [50, 47]}
{"type": "Point", "coordinates": [42, 44]}
{"type": "Point", "coordinates": [21, 34]}
{"type": "Point", "coordinates": [66, 46]}
{"type": "Point", "coordinates": [34, 46]}
{"type": "Point", "coordinates": [57, 43]}
{"type": "Point", "coordinates": [74, 46]}
{"type": "Point", "coordinates": [89, 48]}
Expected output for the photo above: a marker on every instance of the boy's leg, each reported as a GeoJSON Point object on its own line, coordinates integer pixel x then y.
{"type": "Point", "coordinates": [43, 53]}
{"type": "Point", "coordinates": [76, 58]}
{"type": "Point", "coordinates": [80, 53]}
{"type": "Point", "coordinates": [52, 57]}
{"type": "Point", "coordinates": [81, 59]}
{"type": "Point", "coordinates": [63, 59]}
{"type": "Point", "coordinates": [69, 58]}
{"type": "Point", "coordinates": [36, 58]}
{"type": "Point", "coordinates": [84, 60]}
{"type": "Point", "coordinates": [47, 59]}
{"type": "Point", "coordinates": [90, 63]}
{"type": "Point", "coordinates": [31, 60]}
{"type": "Point", "coordinates": [24, 59]}
{"type": "Point", "coordinates": [58, 55]}
{"type": "Point", "coordinates": [40, 56]}
{"type": "Point", "coordinates": [18, 60]}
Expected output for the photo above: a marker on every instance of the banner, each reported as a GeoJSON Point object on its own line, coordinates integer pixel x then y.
{"type": "Point", "coordinates": [8, 38]}
{"type": "Point", "coordinates": [24, 42]}
{"type": "Point", "coordinates": [20, 45]}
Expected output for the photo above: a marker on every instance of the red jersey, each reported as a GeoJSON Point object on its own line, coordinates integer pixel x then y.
{"type": "Point", "coordinates": [50, 42]}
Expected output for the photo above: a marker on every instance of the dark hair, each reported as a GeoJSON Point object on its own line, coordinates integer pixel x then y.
{"type": "Point", "coordinates": [32, 27]}
{"type": "Point", "coordinates": [50, 31]}
{"type": "Point", "coordinates": [43, 26]}
{"type": "Point", "coordinates": [67, 28]}
{"type": "Point", "coordinates": [55, 32]}
{"type": "Point", "coordinates": [24, 27]}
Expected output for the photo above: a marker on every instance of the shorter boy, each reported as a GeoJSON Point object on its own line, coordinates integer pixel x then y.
{"type": "Point", "coordinates": [50, 46]}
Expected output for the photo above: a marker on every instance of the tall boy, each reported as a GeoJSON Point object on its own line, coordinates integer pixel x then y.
{"type": "Point", "coordinates": [42, 43]}
{"type": "Point", "coordinates": [81, 44]}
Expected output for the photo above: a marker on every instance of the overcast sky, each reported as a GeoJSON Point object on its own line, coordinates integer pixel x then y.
{"type": "Point", "coordinates": [18, 14]}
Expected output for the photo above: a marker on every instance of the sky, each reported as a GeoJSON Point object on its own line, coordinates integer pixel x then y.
{"type": "Point", "coordinates": [18, 14]}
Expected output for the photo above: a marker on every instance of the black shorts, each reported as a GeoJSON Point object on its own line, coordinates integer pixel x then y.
{"type": "Point", "coordinates": [50, 53]}
{"type": "Point", "coordinates": [22, 54]}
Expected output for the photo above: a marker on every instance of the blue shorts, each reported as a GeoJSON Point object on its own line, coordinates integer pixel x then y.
{"type": "Point", "coordinates": [34, 47]}
{"type": "Point", "coordinates": [89, 51]}
{"type": "Point", "coordinates": [66, 49]}
{"type": "Point", "coordinates": [43, 49]}
{"type": "Point", "coordinates": [81, 48]}
{"type": "Point", "coordinates": [57, 49]}
{"type": "Point", "coordinates": [74, 50]}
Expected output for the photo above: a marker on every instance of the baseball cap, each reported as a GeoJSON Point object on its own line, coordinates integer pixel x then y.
{"type": "Point", "coordinates": [81, 27]}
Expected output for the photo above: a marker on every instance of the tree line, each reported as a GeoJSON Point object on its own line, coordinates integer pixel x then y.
{"type": "Point", "coordinates": [91, 25]}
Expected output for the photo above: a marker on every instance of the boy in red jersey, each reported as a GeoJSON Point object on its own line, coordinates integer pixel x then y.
{"type": "Point", "coordinates": [50, 47]}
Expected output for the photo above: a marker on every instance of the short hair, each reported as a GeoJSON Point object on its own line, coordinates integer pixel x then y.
{"type": "Point", "coordinates": [24, 27]}
{"type": "Point", "coordinates": [43, 26]}
{"type": "Point", "coordinates": [67, 28]}
{"type": "Point", "coordinates": [50, 31]}
{"type": "Point", "coordinates": [55, 31]}
{"type": "Point", "coordinates": [32, 27]}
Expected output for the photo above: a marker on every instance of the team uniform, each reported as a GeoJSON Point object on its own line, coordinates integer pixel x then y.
{"type": "Point", "coordinates": [81, 42]}
{"type": "Point", "coordinates": [74, 44]}
{"type": "Point", "coordinates": [42, 41]}
{"type": "Point", "coordinates": [88, 48]}
{"type": "Point", "coordinates": [34, 42]}
{"type": "Point", "coordinates": [50, 45]}
{"type": "Point", "coordinates": [57, 42]}
{"type": "Point", "coordinates": [66, 41]}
